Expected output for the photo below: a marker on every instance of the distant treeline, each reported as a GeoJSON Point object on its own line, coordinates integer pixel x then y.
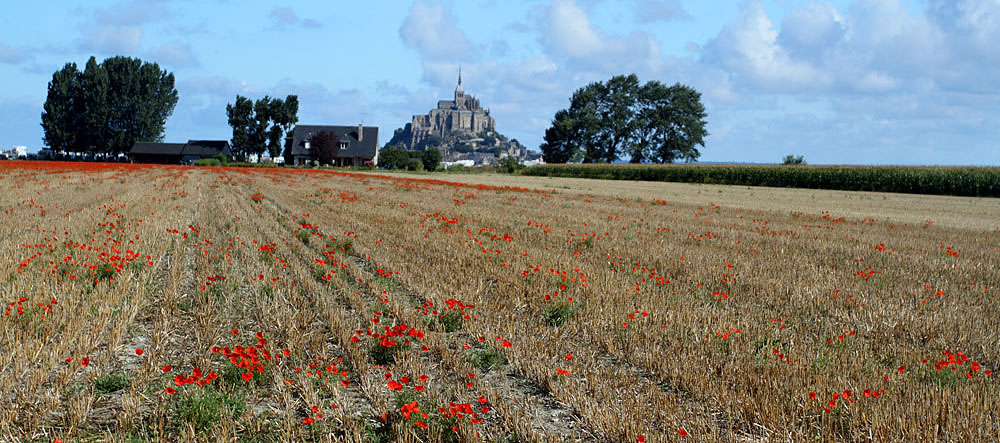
{"type": "Point", "coordinates": [963, 181]}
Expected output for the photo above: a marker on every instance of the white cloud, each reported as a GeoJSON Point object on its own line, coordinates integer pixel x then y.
{"type": "Point", "coordinates": [431, 29]}
{"type": "Point", "coordinates": [812, 30]}
{"type": "Point", "coordinates": [287, 17]}
{"type": "Point", "coordinates": [748, 49]}
{"type": "Point", "coordinates": [134, 12]}
{"type": "Point", "coordinates": [10, 54]}
{"type": "Point", "coordinates": [174, 55]}
{"type": "Point", "coordinates": [651, 11]}
{"type": "Point", "coordinates": [568, 32]}
{"type": "Point", "coordinates": [118, 29]}
{"type": "Point", "coordinates": [125, 39]}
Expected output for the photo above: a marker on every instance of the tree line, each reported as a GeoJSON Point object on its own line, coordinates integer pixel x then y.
{"type": "Point", "coordinates": [259, 125]}
{"type": "Point", "coordinates": [608, 120]}
{"type": "Point", "coordinates": [108, 107]}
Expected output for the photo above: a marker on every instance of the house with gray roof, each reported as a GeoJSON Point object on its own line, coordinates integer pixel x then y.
{"type": "Point", "coordinates": [178, 153]}
{"type": "Point", "coordinates": [358, 144]}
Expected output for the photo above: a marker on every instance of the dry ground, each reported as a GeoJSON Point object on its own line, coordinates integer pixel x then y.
{"type": "Point", "coordinates": [166, 303]}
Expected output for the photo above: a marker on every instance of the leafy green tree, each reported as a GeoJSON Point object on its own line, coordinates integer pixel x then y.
{"type": "Point", "coordinates": [325, 146]}
{"type": "Point", "coordinates": [431, 158]}
{"type": "Point", "coordinates": [240, 115]}
{"type": "Point", "coordinates": [393, 157]}
{"type": "Point", "coordinates": [616, 103]}
{"type": "Point", "coordinates": [95, 87]}
{"type": "Point", "coordinates": [560, 146]}
{"type": "Point", "coordinates": [284, 115]}
{"type": "Point", "coordinates": [63, 110]}
{"type": "Point", "coordinates": [259, 123]}
{"type": "Point", "coordinates": [684, 130]}
{"type": "Point", "coordinates": [793, 160]}
{"type": "Point", "coordinates": [108, 107]}
{"type": "Point", "coordinates": [585, 132]}
{"type": "Point", "coordinates": [140, 98]}
{"type": "Point", "coordinates": [648, 122]}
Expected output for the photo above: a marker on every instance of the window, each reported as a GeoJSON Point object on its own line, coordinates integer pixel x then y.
{"type": "Point", "coordinates": [343, 145]}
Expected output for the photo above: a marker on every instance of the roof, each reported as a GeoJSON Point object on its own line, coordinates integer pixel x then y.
{"type": "Point", "coordinates": [367, 147]}
{"type": "Point", "coordinates": [197, 148]}
{"type": "Point", "coordinates": [151, 148]}
{"type": "Point", "coordinates": [207, 148]}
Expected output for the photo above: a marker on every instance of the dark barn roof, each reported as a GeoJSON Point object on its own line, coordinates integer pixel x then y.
{"type": "Point", "coordinates": [178, 152]}
{"type": "Point", "coordinates": [367, 147]}
{"type": "Point", "coordinates": [207, 148]}
{"type": "Point", "coordinates": [151, 148]}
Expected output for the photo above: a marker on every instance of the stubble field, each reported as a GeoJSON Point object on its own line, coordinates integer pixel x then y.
{"type": "Point", "coordinates": [171, 303]}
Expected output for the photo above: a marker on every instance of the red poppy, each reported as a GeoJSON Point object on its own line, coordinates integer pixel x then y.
{"type": "Point", "coordinates": [138, 351]}
{"type": "Point", "coordinates": [165, 368]}
{"type": "Point", "coordinates": [682, 432]}
{"type": "Point", "coordinates": [84, 361]}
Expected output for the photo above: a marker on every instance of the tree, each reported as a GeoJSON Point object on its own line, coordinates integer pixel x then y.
{"type": "Point", "coordinates": [259, 122]}
{"type": "Point", "coordinates": [284, 114]}
{"type": "Point", "coordinates": [240, 115]}
{"type": "Point", "coordinates": [95, 87]}
{"type": "Point", "coordinates": [108, 107]}
{"type": "Point", "coordinates": [793, 160]}
{"type": "Point", "coordinates": [616, 103]}
{"type": "Point", "coordinates": [393, 157]}
{"type": "Point", "coordinates": [685, 128]}
{"type": "Point", "coordinates": [62, 110]}
{"type": "Point", "coordinates": [650, 122]}
{"type": "Point", "coordinates": [258, 125]}
{"type": "Point", "coordinates": [560, 145]}
{"type": "Point", "coordinates": [325, 146]}
{"type": "Point", "coordinates": [431, 158]}
{"type": "Point", "coordinates": [140, 98]}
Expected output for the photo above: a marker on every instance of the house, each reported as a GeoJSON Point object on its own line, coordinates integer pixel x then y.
{"type": "Point", "coordinates": [358, 144]}
{"type": "Point", "coordinates": [178, 153]}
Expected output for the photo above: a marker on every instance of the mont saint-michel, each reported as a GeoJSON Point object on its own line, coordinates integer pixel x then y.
{"type": "Point", "coordinates": [461, 128]}
{"type": "Point", "coordinates": [462, 115]}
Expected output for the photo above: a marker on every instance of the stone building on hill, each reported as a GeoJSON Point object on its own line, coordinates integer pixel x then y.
{"type": "Point", "coordinates": [463, 115]}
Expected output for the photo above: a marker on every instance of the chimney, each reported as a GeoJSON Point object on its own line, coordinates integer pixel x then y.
{"type": "Point", "coordinates": [360, 127]}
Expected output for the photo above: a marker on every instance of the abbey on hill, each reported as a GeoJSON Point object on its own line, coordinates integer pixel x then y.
{"type": "Point", "coordinates": [461, 129]}
{"type": "Point", "coordinates": [463, 115]}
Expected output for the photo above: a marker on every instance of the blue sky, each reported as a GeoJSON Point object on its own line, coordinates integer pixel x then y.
{"type": "Point", "coordinates": [840, 82]}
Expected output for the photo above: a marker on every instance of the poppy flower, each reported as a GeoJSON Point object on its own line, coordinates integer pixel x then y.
{"type": "Point", "coordinates": [84, 361]}
{"type": "Point", "coordinates": [682, 432]}
{"type": "Point", "coordinates": [138, 351]}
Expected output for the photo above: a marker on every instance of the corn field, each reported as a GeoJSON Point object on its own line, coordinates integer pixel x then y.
{"type": "Point", "coordinates": [964, 181]}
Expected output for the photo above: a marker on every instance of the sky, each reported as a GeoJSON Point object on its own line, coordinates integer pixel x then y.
{"type": "Point", "coordinates": [910, 82]}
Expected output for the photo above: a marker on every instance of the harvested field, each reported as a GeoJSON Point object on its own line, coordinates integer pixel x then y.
{"type": "Point", "coordinates": [166, 303]}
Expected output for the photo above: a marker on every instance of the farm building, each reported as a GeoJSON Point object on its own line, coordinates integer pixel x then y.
{"type": "Point", "coordinates": [178, 153]}
{"type": "Point", "coordinates": [358, 144]}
